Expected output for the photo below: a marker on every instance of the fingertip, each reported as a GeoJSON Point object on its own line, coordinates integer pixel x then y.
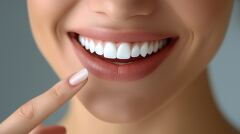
{"type": "Point", "coordinates": [78, 77]}
{"type": "Point", "coordinates": [72, 84]}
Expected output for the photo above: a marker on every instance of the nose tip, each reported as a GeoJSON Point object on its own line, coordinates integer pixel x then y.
{"type": "Point", "coordinates": [119, 10]}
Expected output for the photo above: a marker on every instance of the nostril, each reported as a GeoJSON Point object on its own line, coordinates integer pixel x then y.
{"type": "Point", "coordinates": [119, 10]}
{"type": "Point", "coordinates": [101, 14]}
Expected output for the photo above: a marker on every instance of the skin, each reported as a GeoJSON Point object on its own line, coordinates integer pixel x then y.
{"type": "Point", "coordinates": [174, 99]}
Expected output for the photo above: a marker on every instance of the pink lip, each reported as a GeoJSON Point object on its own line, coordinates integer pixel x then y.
{"type": "Point", "coordinates": [127, 72]}
{"type": "Point", "coordinates": [121, 36]}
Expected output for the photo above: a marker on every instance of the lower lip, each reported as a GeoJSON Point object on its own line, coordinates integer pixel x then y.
{"type": "Point", "coordinates": [127, 72]}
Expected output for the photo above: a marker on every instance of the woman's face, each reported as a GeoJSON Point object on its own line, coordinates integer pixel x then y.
{"type": "Point", "coordinates": [128, 92]}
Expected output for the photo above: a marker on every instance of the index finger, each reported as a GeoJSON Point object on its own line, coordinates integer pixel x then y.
{"type": "Point", "coordinates": [39, 108]}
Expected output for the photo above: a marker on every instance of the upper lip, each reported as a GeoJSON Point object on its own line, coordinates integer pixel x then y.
{"type": "Point", "coordinates": [122, 36]}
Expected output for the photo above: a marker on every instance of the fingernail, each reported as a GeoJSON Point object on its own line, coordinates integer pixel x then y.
{"type": "Point", "coordinates": [78, 77]}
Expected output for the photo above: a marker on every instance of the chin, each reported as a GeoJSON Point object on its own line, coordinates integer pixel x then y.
{"type": "Point", "coordinates": [111, 114]}
{"type": "Point", "coordinates": [122, 114]}
{"type": "Point", "coordinates": [129, 103]}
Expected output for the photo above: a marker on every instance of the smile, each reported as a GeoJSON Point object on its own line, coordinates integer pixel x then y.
{"type": "Point", "coordinates": [122, 51]}
{"type": "Point", "coordinates": [106, 56]}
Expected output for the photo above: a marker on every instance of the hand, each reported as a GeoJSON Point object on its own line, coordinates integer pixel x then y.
{"type": "Point", "coordinates": [31, 114]}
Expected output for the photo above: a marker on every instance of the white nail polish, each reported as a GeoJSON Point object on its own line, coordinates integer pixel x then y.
{"type": "Point", "coordinates": [78, 77]}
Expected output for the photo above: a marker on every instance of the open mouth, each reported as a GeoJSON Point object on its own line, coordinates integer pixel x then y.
{"type": "Point", "coordinates": [122, 52]}
{"type": "Point", "coordinates": [117, 60]}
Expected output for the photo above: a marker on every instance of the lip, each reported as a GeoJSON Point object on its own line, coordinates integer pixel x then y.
{"type": "Point", "coordinates": [127, 72]}
{"type": "Point", "coordinates": [121, 36]}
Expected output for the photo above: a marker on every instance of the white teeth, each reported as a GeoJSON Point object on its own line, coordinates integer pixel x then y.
{"type": "Point", "coordinates": [160, 45]}
{"type": "Point", "coordinates": [110, 50]}
{"type": "Point", "coordinates": [144, 49]}
{"type": "Point", "coordinates": [135, 51]}
{"type": "Point", "coordinates": [123, 51]}
{"type": "Point", "coordinates": [81, 39]}
{"type": "Point", "coordinates": [99, 48]}
{"type": "Point", "coordinates": [87, 45]}
{"type": "Point", "coordinates": [155, 47]}
{"type": "Point", "coordinates": [92, 46]}
{"type": "Point", "coordinates": [150, 48]}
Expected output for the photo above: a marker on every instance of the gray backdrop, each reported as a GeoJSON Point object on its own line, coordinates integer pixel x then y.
{"type": "Point", "coordinates": [24, 73]}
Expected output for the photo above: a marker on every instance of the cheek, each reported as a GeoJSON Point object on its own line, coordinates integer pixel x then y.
{"type": "Point", "coordinates": [206, 21]}
{"type": "Point", "coordinates": [45, 16]}
{"type": "Point", "coordinates": [49, 10]}
{"type": "Point", "coordinates": [200, 14]}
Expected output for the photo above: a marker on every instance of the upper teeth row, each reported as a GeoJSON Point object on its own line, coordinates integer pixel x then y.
{"type": "Point", "coordinates": [124, 50]}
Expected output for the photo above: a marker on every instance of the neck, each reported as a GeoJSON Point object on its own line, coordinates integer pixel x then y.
{"type": "Point", "coordinates": [192, 111]}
